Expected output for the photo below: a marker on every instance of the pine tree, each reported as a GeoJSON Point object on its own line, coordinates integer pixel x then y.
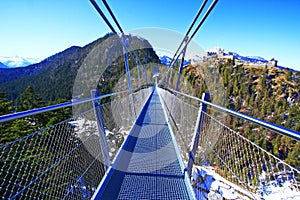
{"type": "Point", "coordinates": [29, 100]}
{"type": "Point", "coordinates": [288, 75]}
{"type": "Point", "coordinates": [22, 127]}
{"type": "Point", "coordinates": [5, 106]}
{"type": "Point", "coordinates": [263, 110]}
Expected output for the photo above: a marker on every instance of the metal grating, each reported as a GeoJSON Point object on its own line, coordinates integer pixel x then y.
{"type": "Point", "coordinates": [149, 187]}
{"type": "Point", "coordinates": [148, 167]}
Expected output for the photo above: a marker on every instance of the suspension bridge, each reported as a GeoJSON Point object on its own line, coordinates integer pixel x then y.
{"type": "Point", "coordinates": [150, 139]}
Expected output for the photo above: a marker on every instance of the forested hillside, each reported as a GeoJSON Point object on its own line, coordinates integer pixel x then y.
{"type": "Point", "coordinates": [53, 78]}
{"type": "Point", "coordinates": [268, 93]}
{"type": "Point", "coordinates": [51, 82]}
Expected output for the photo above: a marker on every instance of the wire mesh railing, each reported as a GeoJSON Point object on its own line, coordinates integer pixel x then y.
{"type": "Point", "coordinates": [182, 117]}
{"type": "Point", "coordinates": [231, 155]}
{"type": "Point", "coordinates": [66, 160]}
{"type": "Point", "coordinates": [241, 160]}
{"type": "Point", "coordinates": [53, 163]}
{"type": "Point", "coordinates": [118, 119]}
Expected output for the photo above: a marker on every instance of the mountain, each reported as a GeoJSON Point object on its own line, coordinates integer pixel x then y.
{"type": "Point", "coordinates": [53, 78]}
{"type": "Point", "coordinates": [256, 60]}
{"type": "Point", "coordinates": [3, 65]}
{"type": "Point", "coordinates": [253, 59]}
{"type": "Point", "coordinates": [18, 61]}
{"type": "Point", "coordinates": [268, 93]}
{"type": "Point", "coordinates": [210, 185]}
{"type": "Point", "coordinates": [214, 52]}
{"type": "Point", "coordinates": [166, 60]}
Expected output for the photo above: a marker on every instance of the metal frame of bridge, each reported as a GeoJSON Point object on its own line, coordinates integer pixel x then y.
{"type": "Point", "coordinates": [149, 158]}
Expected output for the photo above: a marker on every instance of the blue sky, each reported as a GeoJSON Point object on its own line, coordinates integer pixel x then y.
{"type": "Point", "coordinates": [40, 28]}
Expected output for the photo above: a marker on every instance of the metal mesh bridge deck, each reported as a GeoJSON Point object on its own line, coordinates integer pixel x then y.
{"type": "Point", "coordinates": [149, 165]}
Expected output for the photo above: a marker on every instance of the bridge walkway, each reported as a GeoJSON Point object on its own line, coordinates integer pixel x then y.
{"type": "Point", "coordinates": [149, 165]}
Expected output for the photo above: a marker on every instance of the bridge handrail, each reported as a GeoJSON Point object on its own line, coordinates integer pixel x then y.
{"type": "Point", "coordinates": [273, 127]}
{"type": "Point", "coordinates": [26, 113]}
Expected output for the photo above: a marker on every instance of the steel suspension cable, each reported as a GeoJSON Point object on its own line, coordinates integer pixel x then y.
{"type": "Point", "coordinates": [189, 30]}
{"type": "Point", "coordinates": [199, 25]}
{"type": "Point", "coordinates": [111, 27]}
{"type": "Point", "coordinates": [120, 29]}
{"type": "Point", "coordinates": [188, 40]}
{"type": "Point", "coordinates": [113, 16]}
{"type": "Point", "coordinates": [103, 16]}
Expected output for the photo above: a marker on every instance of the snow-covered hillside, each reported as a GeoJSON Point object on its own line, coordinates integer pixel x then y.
{"type": "Point", "coordinates": [253, 59]}
{"type": "Point", "coordinates": [210, 185]}
{"type": "Point", "coordinates": [18, 61]}
{"type": "Point", "coordinates": [2, 65]}
{"type": "Point", "coordinates": [166, 60]}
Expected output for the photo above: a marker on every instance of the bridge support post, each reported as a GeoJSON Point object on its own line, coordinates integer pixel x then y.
{"type": "Point", "coordinates": [125, 47]}
{"type": "Point", "coordinates": [101, 129]}
{"type": "Point", "coordinates": [197, 134]}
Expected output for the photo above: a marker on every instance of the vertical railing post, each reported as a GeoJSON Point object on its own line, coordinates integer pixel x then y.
{"type": "Point", "coordinates": [138, 72]}
{"type": "Point", "coordinates": [128, 76]}
{"type": "Point", "coordinates": [101, 129]}
{"type": "Point", "coordinates": [197, 134]}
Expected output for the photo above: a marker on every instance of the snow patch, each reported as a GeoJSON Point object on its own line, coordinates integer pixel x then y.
{"type": "Point", "coordinates": [18, 61]}
{"type": "Point", "coordinates": [166, 60]}
{"type": "Point", "coordinates": [253, 59]}
{"type": "Point", "coordinates": [208, 184]}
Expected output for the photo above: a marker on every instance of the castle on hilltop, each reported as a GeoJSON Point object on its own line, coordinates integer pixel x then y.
{"type": "Point", "coordinates": [221, 55]}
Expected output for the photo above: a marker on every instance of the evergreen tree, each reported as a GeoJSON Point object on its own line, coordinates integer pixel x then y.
{"type": "Point", "coordinates": [5, 106]}
{"type": "Point", "coordinates": [29, 100]}
{"type": "Point", "coordinates": [21, 127]}
{"type": "Point", "coordinates": [288, 75]}
{"type": "Point", "coordinates": [263, 110]}
{"type": "Point", "coordinates": [264, 97]}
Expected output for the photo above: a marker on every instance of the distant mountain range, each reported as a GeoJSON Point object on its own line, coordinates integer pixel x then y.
{"type": "Point", "coordinates": [53, 77]}
{"type": "Point", "coordinates": [166, 60]}
{"type": "Point", "coordinates": [17, 61]}
{"type": "Point", "coordinates": [2, 65]}
{"type": "Point", "coordinates": [253, 59]}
